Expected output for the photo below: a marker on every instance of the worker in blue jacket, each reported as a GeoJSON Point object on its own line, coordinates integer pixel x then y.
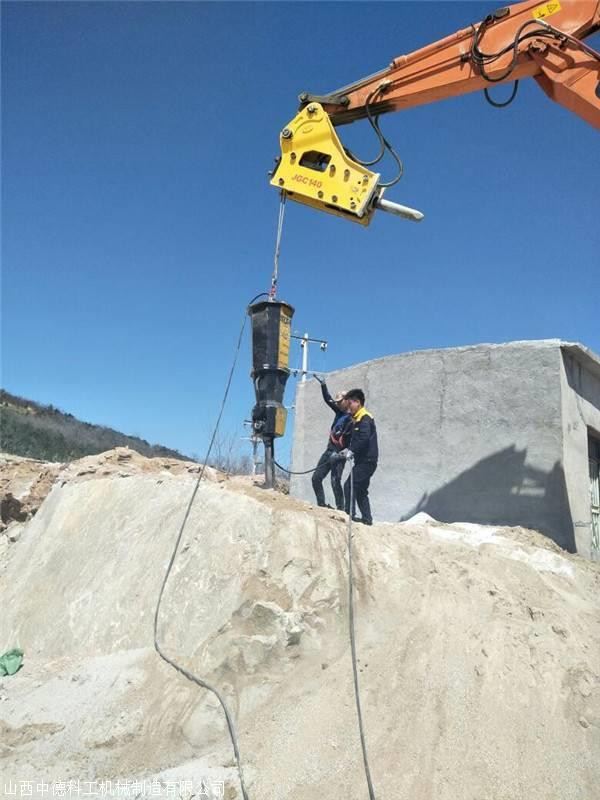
{"type": "Point", "coordinates": [339, 438]}
{"type": "Point", "coordinates": [363, 449]}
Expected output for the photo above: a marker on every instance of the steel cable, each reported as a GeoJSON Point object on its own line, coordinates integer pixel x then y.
{"type": "Point", "coordinates": [275, 278]}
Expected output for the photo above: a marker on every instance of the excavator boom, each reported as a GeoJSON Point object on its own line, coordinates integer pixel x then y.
{"type": "Point", "coordinates": [543, 41]}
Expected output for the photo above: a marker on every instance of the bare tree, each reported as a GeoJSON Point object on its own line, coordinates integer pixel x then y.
{"type": "Point", "coordinates": [227, 455]}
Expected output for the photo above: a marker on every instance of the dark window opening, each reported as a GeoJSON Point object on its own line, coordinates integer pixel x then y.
{"type": "Point", "coordinates": [315, 160]}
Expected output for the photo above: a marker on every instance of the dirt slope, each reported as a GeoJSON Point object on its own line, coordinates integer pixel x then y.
{"type": "Point", "coordinates": [479, 648]}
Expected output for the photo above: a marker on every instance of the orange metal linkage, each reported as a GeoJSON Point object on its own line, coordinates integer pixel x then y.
{"type": "Point", "coordinates": [565, 68]}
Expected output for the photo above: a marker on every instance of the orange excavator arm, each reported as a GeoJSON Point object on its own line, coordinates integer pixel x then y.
{"type": "Point", "coordinates": [543, 41]}
{"type": "Point", "coordinates": [529, 39]}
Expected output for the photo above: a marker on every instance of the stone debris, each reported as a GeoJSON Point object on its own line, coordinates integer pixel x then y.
{"type": "Point", "coordinates": [24, 483]}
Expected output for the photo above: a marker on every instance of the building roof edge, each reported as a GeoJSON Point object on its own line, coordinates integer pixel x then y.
{"type": "Point", "coordinates": [533, 343]}
{"type": "Point", "coordinates": [584, 355]}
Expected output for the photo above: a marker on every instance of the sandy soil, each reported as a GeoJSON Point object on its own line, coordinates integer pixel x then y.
{"type": "Point", "coordinates": [479, 648]}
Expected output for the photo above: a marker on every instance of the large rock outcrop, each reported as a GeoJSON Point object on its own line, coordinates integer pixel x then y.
{"type": "Point", "coordinates": [479, 647]}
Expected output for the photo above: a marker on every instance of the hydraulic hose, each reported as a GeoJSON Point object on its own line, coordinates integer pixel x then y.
{"type": "Point", "coordinates": [291, 472]}
{"type": "Point", "coordinates": [182, 670]}
{"type": "Point", "coordinates": [363, 743]}
{"type": "Point", "coordinates": [351, 628]}
{"type": "Point", "coordinates": [204, 684]}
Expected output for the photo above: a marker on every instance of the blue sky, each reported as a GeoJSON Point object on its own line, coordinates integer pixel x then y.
{"type": "Point", "coordinates": [138, 219]}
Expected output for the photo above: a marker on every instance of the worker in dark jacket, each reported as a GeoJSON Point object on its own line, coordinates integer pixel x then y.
{"type": "Point", "coordinates": [364, 450]}
{"type": "Point", "coordinates": [339, 438]}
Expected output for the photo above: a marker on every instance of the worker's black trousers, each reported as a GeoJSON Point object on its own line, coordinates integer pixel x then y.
{"type": "Point", "coordinates": [363, 471]}
{"type": "Point", "coordinates": [321, 472]}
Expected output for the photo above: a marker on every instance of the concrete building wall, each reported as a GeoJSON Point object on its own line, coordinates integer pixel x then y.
{"type": "Point", "coordinates": [580, 387]}
{"type": "Point", "coordinates": [469, 434]}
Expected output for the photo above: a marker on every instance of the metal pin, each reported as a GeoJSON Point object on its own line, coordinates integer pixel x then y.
{"type": "Point", "coordinates": [398, 210]}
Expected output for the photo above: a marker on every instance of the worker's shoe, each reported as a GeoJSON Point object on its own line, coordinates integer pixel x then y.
{"type": "Point", "coordinates": [363, 521]}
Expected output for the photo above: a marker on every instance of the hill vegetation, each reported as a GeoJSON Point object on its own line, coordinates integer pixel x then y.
{"type": "Point", "coordinates": [47, 433]}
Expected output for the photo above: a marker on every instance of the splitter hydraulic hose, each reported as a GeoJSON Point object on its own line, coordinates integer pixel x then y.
{"type": "Point", "coordinates": [182, 670]}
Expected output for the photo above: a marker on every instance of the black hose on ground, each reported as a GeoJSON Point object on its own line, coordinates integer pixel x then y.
{"type": "Point", "coordinates": [204, 684]}
{"type": "Point", "coordinates": [361, 731]}
{"type": "Point", "coordinates": [290, 472]}
{"type": "Point", "coordinates": [182, 670]}
{"type": "Point", "coordinates": [363, 743]}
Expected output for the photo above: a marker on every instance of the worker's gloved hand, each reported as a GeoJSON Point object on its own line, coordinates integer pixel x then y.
{"type": "Point", "coordinates": [346, 455]}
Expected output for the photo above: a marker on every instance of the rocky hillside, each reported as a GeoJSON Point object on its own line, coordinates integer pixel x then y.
{"type": "Point", "coordinates": [478, 647]}
{"type": "Point", "coordinates": [44, 432]}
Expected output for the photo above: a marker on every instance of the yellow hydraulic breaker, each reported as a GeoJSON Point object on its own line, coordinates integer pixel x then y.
{"type": "Point", "coordinates": [315, 169]}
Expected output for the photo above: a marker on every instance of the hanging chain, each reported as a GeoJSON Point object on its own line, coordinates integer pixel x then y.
{"type": "Point", "coordinates": [275, 278]}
